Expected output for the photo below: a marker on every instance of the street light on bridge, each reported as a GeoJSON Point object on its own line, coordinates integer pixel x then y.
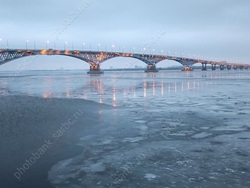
{"type": "Point", "coordinates": [27, 44]}
{"type": "Point", "coordinates": [133, 49]}
{"type": "Point", "coordinates": [47, 43]}
{"type": "Point", "coordinates": [83, 44]}
{"type": "Point", "coordinates": [113, 46]}
{"type": "Point", "coordinates": [7, 42]}
{"type": "Point", "coordinates": [65, 44]}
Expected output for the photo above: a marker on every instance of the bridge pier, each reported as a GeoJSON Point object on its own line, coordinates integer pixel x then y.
{"type": "Point", "coordinates": [151, 68]}
{"type": "Point", "coordinates": [229, 67]}
{"type": "Point", "coordinates": [213, 66]}
{"type": "Point", "coordinates": [187, 68]}
{"type": "Point", "coordinates": [204, 66]}
{"type": "Point", "coordinates": [95, 69]}
{"type": "Point", "coordinates": [235, 67]}
{"type": "Point", "coordinates": [222, 67]}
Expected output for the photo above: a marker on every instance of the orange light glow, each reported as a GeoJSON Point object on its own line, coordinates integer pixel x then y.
{"type": "Point", "coordinates": [47, 95]}
{"type": "Point", "coordinates": [43, 52]}
{"type": "Point", "coordinates": [68, 93]}
{"type": "Point", "coordinates": [67, 52]}
{"type": "Point", "coordinates": [58, 52]}
{"type": "Point", "coordinates": [153, 88]}
{"type": "Point", "coordinates": [145, 89]}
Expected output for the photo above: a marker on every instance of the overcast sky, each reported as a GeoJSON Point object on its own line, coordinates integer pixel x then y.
{"type": "Point", "coordinates": [209, 28]}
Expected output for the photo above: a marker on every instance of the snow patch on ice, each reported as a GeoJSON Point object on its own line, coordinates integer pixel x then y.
{"type": "Point", "coordinates": [150, 176]}
{"type": "Point", "coordinates": [202, 135]}
{"type": "Point", "coordinates": [132, 140]}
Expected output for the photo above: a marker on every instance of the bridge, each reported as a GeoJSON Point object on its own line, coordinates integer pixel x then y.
{"type": "Point", "coordinates": [95, 58]}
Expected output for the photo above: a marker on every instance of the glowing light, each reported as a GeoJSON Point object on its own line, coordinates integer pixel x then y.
{"type": "Point", "coordinates": [114, 97]}
{"type": "Point", "coordinates": [43, 52]}
{"type": "Point", "coordinates": [162, 88]}
{"type": "Point", "coordinates": [47, 95]}
{"type": "Point", "coordinates": [188, 85]}
{"type": "Point", "coordinates": [153, 88]}
{"type": "Point", "coordinates": [134, 93]}
{"type": "Point", "coordinates": [65, 44]}
{"type": "Point", "coordinates": [67, 52]}
{"type": "Point", "coordinates": [85, 95]}
{"type": "Point", "coordinates": [100, 101]}
{"type": "Point", "coordinates": [145, 89]}
{"type": "Point", "coordinates": [67, 93]}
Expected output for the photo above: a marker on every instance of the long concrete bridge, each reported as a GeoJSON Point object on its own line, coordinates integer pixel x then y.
{"type": "Point", "coordinates": [95, 58]}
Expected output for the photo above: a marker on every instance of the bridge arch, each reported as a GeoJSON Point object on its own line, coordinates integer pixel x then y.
{"type": "Point", "coordinates": [124, 62]}
{"type": "Point", "coordinates": [76, 57]}
{"type": "Point", "coordinates": [168, 63]}
{"type": "Point", "coordinates": [44, 62]}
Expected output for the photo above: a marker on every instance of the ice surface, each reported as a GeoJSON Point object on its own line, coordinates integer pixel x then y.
{"type": "Point", "coordinates": [201, 135]}
{"type": "Point", "coordinates": [150, 176]}
{"type": "Point", "coordinates": [173, 129]}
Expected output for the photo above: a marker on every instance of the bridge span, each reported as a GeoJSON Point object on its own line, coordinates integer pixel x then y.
{"type": "Point", "coordinates": [95, 58]}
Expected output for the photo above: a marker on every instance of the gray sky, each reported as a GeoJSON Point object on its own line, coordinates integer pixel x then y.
{"type": "Point", "coordinates": [209, 28]}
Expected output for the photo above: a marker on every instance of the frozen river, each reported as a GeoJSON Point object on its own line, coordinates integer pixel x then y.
{"type": "Point", "coordinates": [128, 88]}
{"type": "Point", "coordinates": [169, 129]}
